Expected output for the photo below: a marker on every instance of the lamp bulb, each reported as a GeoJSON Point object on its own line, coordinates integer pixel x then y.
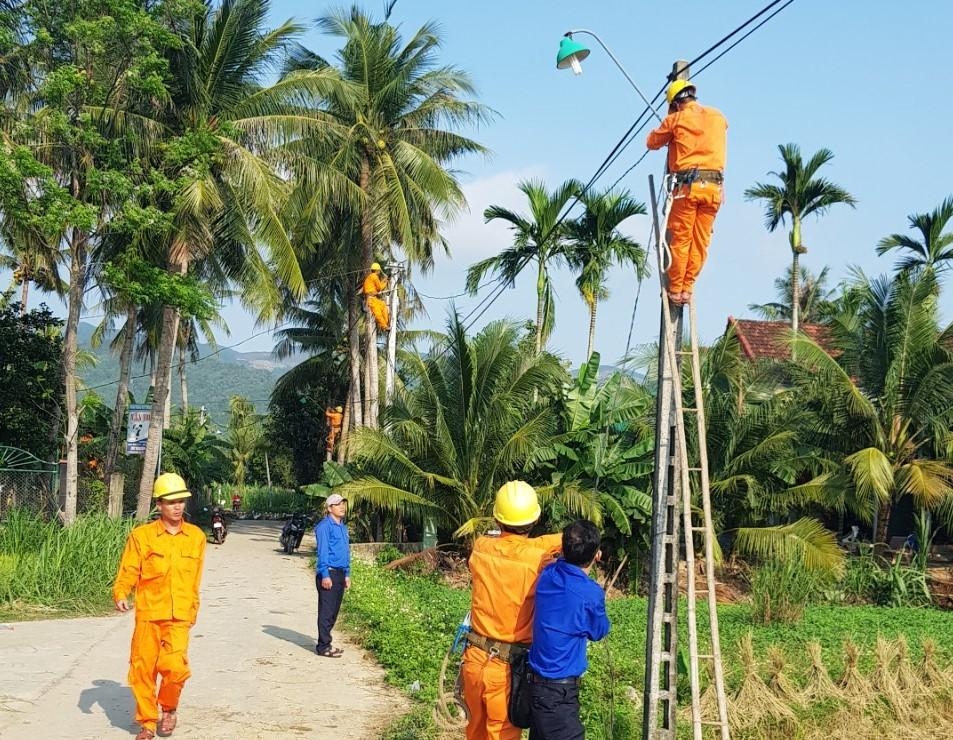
{"type": "Point", "coordinates": [575, 66]}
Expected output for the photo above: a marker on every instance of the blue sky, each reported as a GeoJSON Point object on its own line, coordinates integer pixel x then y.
{"type": "Point", "coordinates": [867, 80]}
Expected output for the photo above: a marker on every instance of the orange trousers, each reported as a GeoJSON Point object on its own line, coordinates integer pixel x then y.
{"type": "Point", "coordinates": [380, 311]}
{"type": "Point", "coordinates": [158, 648]}
{"type": "Point", "coordinates": [486, 689]}
{"type": "Point", "coordinates": [690, 223]}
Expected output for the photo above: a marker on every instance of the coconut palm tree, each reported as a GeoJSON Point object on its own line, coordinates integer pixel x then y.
{"type": "Point", "coordinates": [800, 194]}
{"type": "Point", "coordinates": [224, 133]}
{"type": "Point", "coordinates": [32, 262]}
{"type": "Point", "coordinates": [813, 293]}
{"type": "Point", "coordinates": [469, 417]}
{"type": "Point", "coordinates": [595, 244]}
{"type": "Point", "coordinates": [934, 249]}
{"type": "Point", "coordinates": [540, 238]}
{"type": "Point", "coordinates": [388, 120]}
{"type": "Point", "coordinates": [761, 465]}
{"type": "Point", "coordinates": [884, 406]}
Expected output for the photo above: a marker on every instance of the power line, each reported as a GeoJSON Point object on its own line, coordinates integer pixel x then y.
{"type": "Point", "coordinates": [200, 359]}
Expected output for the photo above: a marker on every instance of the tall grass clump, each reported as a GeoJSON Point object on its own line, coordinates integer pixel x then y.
{"type": "Point", "coordinates": [781, 590]}
{"type": "Point", "coordinates": [56, 567]}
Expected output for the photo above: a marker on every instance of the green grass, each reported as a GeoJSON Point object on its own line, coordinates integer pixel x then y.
{"type": "Point", "coordinates": [50, 570]}
{"type": "Point", "coordinates": [408, 622]}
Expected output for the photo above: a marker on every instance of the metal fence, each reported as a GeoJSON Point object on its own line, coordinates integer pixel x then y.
{"type": "Point", "coordinates": [26, 482]}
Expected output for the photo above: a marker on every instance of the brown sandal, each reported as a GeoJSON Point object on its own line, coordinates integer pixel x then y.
{"type": "Point", "coordinates": [167, 723]}
{"type": "Point", "coordinates": [145, 734]}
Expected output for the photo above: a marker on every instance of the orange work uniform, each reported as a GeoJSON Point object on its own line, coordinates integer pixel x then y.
{"type": "Point", "coordinates": [374, 283]}
{"type": "Point", "coordinates": [335, 419]}
{"type": "Point", "coordinates": [696, 137]}
{"type": "Point", "coordinates": [504, 571]}
{"type": "Point", "coordinates": [165, 570]}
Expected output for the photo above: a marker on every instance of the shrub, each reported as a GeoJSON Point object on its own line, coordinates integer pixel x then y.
{"type": "Point", "coordinates": [781, 590]}
{"type": "Point", "coordinates": [387, 554]}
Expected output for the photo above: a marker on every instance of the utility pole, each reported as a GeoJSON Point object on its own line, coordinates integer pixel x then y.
{"type": "Point", "coordinates": [390, 371]}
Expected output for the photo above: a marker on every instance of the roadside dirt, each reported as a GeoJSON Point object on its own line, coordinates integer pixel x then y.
{"type": "Point", "coordinates": [255, 674]}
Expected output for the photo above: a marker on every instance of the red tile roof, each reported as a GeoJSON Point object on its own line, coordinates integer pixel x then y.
{"type": "Point", "coordinates": [768, 340]}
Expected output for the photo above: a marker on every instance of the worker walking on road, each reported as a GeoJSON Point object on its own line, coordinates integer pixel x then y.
{"type": "Point", "coordinates": [504, 570]}
{"type": "Point", "coordinates": [335, 419]}
{"type": "Point", "coordinates": [696, 137]}
{"type": "Point", "coordinates": [570, 609]}
{"type": "Point", "coordinates": [162, 562]}
{"type": "Point", "coordinates": [375, 283]}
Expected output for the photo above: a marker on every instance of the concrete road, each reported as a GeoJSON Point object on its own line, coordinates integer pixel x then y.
{"type": "Point", "coordinates": [255, 674]}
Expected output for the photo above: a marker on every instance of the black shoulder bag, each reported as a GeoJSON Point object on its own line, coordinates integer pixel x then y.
{"type": "Point", "coordinates": [518, 708]}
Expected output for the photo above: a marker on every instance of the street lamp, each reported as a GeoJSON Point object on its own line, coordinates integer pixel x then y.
{"type": "Point", "coordinates": [572, 53]}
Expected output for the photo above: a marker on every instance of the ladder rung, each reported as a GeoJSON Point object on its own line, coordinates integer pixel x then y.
{"type": "Point", "coordinates": [690, 408]}
{"type": "Point", "coordinates": [684, 352]}
{"type": "Point", "coordinates": [694, 470]}
{"type": "Point", "coordinates": [712, 722]}
{"type": "Point", "coordinates": [706, 656]}
{"type": "Point", "coordinates": [666, 617]}
{"type": "Point", "coordinates": [699, 529]}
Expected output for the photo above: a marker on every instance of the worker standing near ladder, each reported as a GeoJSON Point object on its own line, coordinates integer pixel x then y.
{"type": "Point", "coordinates": [374, 284]}
{"type": "Point", "coordinates": [504, 570]}
{"type": "Point", "coordinates": [696, 137]}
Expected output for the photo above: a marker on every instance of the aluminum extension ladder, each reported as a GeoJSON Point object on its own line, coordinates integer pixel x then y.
{"type": "Point", "coordinates": [675, 481]}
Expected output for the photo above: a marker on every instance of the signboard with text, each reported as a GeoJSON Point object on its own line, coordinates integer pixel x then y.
{"type": "Point", "coordinates": [137, 428]}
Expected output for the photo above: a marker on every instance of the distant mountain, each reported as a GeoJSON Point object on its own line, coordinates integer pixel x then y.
{"type": "Point", "coordinates": [212, 381]}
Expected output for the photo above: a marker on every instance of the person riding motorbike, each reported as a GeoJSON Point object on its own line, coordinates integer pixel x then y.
{"type": "Point", "coordinates": [219, 527]}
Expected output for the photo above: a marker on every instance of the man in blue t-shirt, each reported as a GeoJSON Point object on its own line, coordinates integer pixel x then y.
{"type": "Point", "coordinates": [570, 609]}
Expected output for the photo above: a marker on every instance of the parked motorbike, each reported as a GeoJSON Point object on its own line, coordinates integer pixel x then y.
{"type": "Point", "coordinates": [293, 532]}
{"type": "Point", "coordinates": [219, 528]}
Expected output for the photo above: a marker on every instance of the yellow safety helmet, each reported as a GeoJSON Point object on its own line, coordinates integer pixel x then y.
{"type": "Point", "coordinates": [677, 87]}
{"type": "Point", "coordinates": [376, 267]}
{"type": "Point", "coordinates": [170, 487]}
{"type": "Point", "coordinates": [516, 504]}
{"type": "Point", "coordinates": [339, 409]}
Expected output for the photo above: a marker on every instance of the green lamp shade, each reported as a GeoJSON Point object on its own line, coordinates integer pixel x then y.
{"type": "Point", "coordinates": [570, 51]}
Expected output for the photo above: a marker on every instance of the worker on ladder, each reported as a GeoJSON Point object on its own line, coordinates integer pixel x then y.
{"type": "Point", "coordinates": [504, 569]}
{"type": "Point", "coordinates": [335, 420]}
{"type": "Point", "coordinates": [374, 283]}
{"type": "Point", "coordinates": [696, 137]}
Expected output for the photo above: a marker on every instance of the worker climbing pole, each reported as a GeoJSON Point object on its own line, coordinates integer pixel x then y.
{"type": "Point", "coordinates": [695, 137]}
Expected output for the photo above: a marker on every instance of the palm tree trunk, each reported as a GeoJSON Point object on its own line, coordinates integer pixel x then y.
{"type": "Point", "coordinates": [167, 415]}
{"type": "Point", "coordinates": [883, 521]}
{"type": "Point", "coordinates": [345, 427]}
{"type": "Point", "coordinates": [796, 250]}
{"type": "Point", "coordinates": [354, 351]}
{"type": "Point", "coordinates": [122, 392]}
{"type": "Point", "coordinates": [593, 307]}
{"type": "Point", "coordinates": [367, 257]}
{"type": "Point", "coordinates": [77, 288]}
{"type": "Point", "coordinates": [183, 383]}
{"type": "Point", "coordinates": [24, 295]}
{"type": "Point", "coordinates": [540, 292]}
{"type": "Point", "coordinates": [167, 342]}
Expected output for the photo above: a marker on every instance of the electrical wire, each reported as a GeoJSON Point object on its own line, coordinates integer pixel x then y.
{"type": "Point", "coordinates": [200, 359]}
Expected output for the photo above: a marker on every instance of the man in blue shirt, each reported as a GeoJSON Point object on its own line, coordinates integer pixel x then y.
{"type": "Point", "coordinates": [570, 609]}
{"type": "Point", "coordinates": [333, 574]}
